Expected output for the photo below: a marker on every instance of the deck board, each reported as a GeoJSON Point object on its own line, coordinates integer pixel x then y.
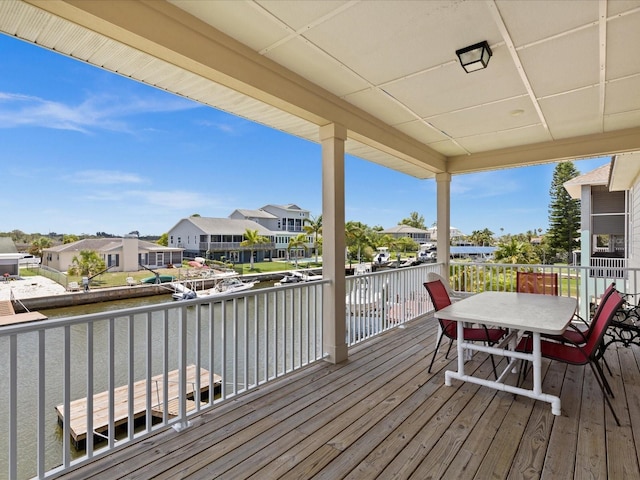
{"type": "Point", "coordinates": [382, 415]}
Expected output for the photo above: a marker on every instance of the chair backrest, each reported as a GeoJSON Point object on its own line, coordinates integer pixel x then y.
{"type": "Point", "coordinates": [603, 299]}
{"type": "Point", "coordinates": [433, 276]}
{"type": "Point", "coordinates": [537, 282]}
{"type": "Point", "coordinates": [440, 299]}
{"type": "Point", "coordinates": [438, 293]}
{"type": "Point", "coordinates": [601, 322]}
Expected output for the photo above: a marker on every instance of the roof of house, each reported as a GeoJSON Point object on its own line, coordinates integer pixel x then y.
{"type": "Point", "coordinates": [599, 176]}
{"type": "Point", "coordinates": [228, 226]}
{"type": "Point", "coordinates": [404, 229]}
{"type": "Point", "coordinates": [289, 206]}
{"type": "Point", "coordinates": [254, 213]}
{"type": "Point", "coordinates": [105, 245]}
{"type": "Point", "coordinates": [7, 245]}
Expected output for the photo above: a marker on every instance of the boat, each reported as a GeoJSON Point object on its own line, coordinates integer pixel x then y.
{"type": "Point", "coordinates": [227, 285]}
{"type": "Point", "coordinates": [382, 257]}
{"type": "Point", "coordinates": [296, 276]}
{"type": "Point", "coordinates": [362, 298]}
{"type": "Point", "coordinates": [158, 279]}
{"type": "Point", "coordinates": [182, 292]}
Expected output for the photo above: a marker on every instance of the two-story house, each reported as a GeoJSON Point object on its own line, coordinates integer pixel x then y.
{"type": "Point", "coordinates": [215, 238]}
{"type": "Point", "coordinates": [610, 222]}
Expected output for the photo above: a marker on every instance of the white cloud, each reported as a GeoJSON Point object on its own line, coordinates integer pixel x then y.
{"type": "Point", "coordinates": [96, 112]}
{"type": "Point", "coordinates": [104, 177]}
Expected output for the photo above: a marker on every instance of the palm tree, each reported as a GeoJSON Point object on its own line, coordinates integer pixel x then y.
{"type": "Point", "coordinates": [513, 252]}
{"type": "Point", "coordinates": [482, 237]}
{"type": "Point", "coordinates": [299, 241]}
{"type": "Point", "coordinates": [356, 235]}
{"type": "Point", "coordinates": [87, 263]}
{"type": "Point", "coordinates": [251, 239]}
{"type": "Point", "coordinates": [414, 220]}
{"type": "Point", "coordinates": [39, 245]}
{"type": "Point", "coordinates": [313, 226]}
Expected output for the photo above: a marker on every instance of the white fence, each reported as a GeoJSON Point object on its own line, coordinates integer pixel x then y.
{"type": "Point", "coordinates": [245, 339]}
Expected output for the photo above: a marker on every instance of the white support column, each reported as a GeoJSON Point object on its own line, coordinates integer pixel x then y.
{"type": "Point", "coordinates": [443, 199]}
{"type": "Point", "coordinates": [333, 137]}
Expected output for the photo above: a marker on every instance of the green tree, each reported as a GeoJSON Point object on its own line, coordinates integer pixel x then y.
{"type": "Point", "coordinates": [414, 220]}
{"type": "Point", "coordinates": [252, 240]}
{"type": "Point", "coordinates": [69, 238]}
{"type": "Point", "coordinates": [39, 245]}
{"type": "Point", "coordinates": [482, 237]}
{"type": "Point", "coordinates": [564, 211]}
{"type": "Point", "coordinates": [406, 244]}
{"type": "Point", "coordinates": [514, 251]}
{"type": "Point", "coordinates": [87, 263]}
{"type": "Point", "coordinates": [357, 238]}
{"type": "Point", "coordinates": [313, 226]}
{"type": "Point", "coordinates": [163, 240]}
{"type": "Point", "coordinates": [299, 241]}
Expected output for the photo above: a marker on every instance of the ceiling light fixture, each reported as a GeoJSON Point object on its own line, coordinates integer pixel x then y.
{"type": "Point", "coordinates": [475, 57]}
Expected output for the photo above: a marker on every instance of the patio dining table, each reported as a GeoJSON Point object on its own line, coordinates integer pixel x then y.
{"type": "Point", "coordinates": [519, 313]}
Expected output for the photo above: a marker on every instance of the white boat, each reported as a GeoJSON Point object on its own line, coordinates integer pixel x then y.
{"type": "Point", "coordinates": [296, 276]}
{"type": "Point", "coordinates": [227, 285]}
{"type": "Point", "coordinates": [182, 292]}
{"type": "Point", "coordinates": [362, 298]}
{"type": "Point", "coordinates": [383, 256]}
{"type": "Point", "coordinates": [224, 283]}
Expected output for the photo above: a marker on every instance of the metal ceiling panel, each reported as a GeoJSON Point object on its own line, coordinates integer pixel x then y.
{"type": "Point", "coordinates": [623, 39]}
{"type": "Point", "coordinates": [573, 114]}
{"type": "Point", "coordinates": [532, 21]}
{"type": "Point", "coordinates": [384, 41]}
{"type": "Point", "coordinates": [238, 19]}
{"type": "Point", "coordinates": [312, 64]}
{"type": "Point", "coordinates": [516, 112]}
{"type": "Point", "coordinates": [623, 95]}
{"type": "Point", "coordinates": [567, 63]}
{"type": "Point", "coordinates": [505, 139]}
{"type": "Point", "coordinates": [378, 103]}
{"type": "Point", "coordinates": [449, 88]}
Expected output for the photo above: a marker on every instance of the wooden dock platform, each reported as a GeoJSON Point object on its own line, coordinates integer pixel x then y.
{"type": "Point", "coordinates": [78, 415]}
{"type": "Point", "coordinates": [8, 316]}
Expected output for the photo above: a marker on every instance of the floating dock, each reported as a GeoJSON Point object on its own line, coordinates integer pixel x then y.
{"type": "Point", "coordinates": [8, 316]}
{"type": "Point", "coordinates": [78, 408]}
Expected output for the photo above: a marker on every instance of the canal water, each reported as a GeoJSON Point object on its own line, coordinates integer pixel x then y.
{"type": "Point", "coordinates": [270, 350]}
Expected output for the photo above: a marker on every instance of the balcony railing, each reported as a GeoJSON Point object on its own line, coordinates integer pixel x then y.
{"type": "Point", "coordinates": [237, 343]}
{"type": "Point", "coordinates": [226, 246]}
{"type": "Point", "coordinates": [612, 267]}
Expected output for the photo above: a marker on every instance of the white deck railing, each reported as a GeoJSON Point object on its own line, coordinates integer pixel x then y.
{"type": "Point", "coordinates": [248, 339]}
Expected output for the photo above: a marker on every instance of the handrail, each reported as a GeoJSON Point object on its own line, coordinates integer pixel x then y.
{"type": "Point", "coordinates": [248, 338]}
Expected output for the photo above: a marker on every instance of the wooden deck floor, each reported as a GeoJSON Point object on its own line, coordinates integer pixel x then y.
{"type": "Point", "coordinates": [381, 415]}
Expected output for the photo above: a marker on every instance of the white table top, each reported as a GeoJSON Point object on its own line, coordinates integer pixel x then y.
{"type": "Point", "coordinates": [547, 314]}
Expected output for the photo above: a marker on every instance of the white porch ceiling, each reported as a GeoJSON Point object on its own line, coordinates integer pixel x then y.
{"type": "Point", "coordinates": [563, 82]}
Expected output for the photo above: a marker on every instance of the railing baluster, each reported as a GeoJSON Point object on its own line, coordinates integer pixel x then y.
{"type": "Point", "coordinates": [131, 377]}
{"type": "Point", "coordinates": [66, 398]}
{"type": "Point", "coordinates": [89, 370]}
{"type": "Point", "coordinates": [148, 371]}
{"type": "Point", "coordinates": [13, 407]}
{"type": "Point", "coordinates": [112, 382]}
{"type": "Point", "coordinates": [41, 404]}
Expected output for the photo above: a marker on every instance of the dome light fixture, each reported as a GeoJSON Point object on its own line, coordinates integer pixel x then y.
{"type": "Point", "coordinates": [475, 57]}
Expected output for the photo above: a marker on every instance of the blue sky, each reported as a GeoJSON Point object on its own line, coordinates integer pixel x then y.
{"type": "Point", "coordinates": [84, 151]}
